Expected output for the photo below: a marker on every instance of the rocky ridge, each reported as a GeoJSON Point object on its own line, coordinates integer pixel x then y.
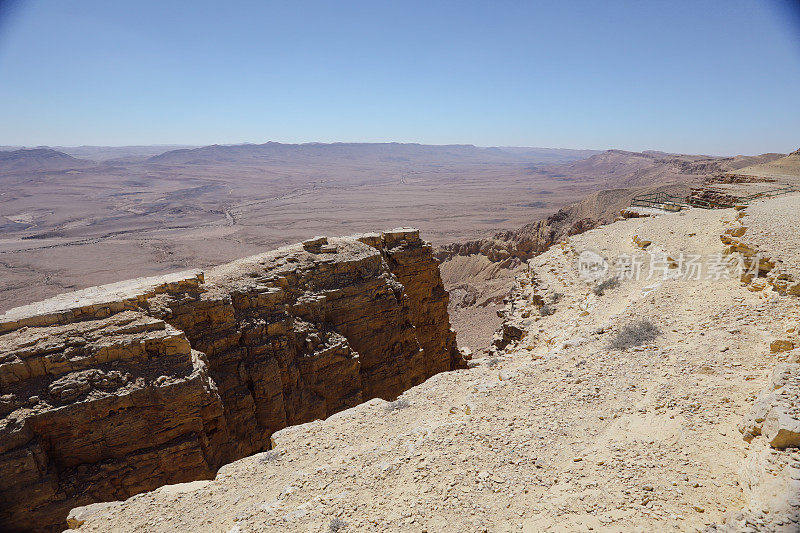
{"type": "Point", "coordinates": [475, 284]}
{"type": "Point", "coordinates": [771, 473]}
{"type": "Point", "coordinates": [479, 273]}
{"type": "Point", "coordinates": [116, 390]}
{"type": "Point", "coordinates": [559, 430]}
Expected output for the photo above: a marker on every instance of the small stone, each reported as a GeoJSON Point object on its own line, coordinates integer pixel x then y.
{"type": "Point", "coordinates": [781, 345]}
{"type": "Point", "coordinates": [315, 244]}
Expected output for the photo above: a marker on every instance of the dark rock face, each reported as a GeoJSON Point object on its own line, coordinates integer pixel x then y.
{"type": "Point", "coordinates": [120, 389]}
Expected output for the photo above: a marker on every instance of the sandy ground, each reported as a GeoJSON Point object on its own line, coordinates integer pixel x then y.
{"type": "Point", "coordinates": [560, 433]}
{"type": "Point", "coordinates": [768, 228]}
{"type": "Point", "coordinates": [784, 169]}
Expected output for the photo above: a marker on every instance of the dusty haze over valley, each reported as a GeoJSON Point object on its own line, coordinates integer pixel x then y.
{"type": "Point", "coordinates": [70, 223]}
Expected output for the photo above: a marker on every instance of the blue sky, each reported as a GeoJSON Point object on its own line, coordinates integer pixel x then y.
{"type": "Point", "coordinates": [685, 76]}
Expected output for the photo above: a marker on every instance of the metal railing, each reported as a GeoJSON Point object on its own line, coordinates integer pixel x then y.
{"type": "Point", "coordinates": [771, 193]}
{"type": "Point", "coordinates": [669, 202]}
{"type": "Point", "coordinates": [658, 200]}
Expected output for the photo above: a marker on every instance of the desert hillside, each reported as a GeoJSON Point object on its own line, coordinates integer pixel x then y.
{"type": "Point", "coordinates": [663, 401]}
{"type": "Point", "coordinates": [478, 273]}
{"type": "Point", "coordinates": [38, 159]}
{"type": "Point", "coordinates": [248, 354]}
{"type": "Point", "coordinates": [785, 168]}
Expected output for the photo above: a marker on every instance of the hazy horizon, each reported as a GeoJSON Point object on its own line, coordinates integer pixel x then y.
{"type": "Point", "coordinates": [675, 77]}
{"type": "Point", "coordinates": [177, 146]}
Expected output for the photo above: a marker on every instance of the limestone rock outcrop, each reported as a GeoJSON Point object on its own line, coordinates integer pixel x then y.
{"type": "Point", "coordinates": [708, 196]}
{"type": "Point", "coordinates": [769, 475]}
{"type": "Point", "coordinates": [776, 413]}
{"type": "Point", "coordinates": [115, 390]}
{"type": "Point", "coordinates": [515, 247]}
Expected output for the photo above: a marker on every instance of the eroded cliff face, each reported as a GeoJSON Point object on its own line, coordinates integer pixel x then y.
{"type": "Point", "coordinates": [119, 389]}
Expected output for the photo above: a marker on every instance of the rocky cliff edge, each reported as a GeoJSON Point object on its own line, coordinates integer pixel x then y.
{"type": "Point", "coordinates": [115, 390]}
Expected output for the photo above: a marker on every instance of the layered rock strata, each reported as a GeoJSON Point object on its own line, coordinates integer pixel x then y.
{"type": "Point", "coordinates": [115, 390]}
{"type": "Point", "coordinates": [514, 247]}
{"type": "Point", "coordinates": [760, 270]}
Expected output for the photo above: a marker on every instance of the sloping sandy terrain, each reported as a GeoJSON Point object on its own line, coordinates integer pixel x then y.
{"type": "Point", "coordinates": [767, 226]}
{"type": "Point", "coordinates": [785, 168]}
{"type": "Point", "coordinates": [631, 174]}
{"type": "Point", "coordinates": [558, 432]}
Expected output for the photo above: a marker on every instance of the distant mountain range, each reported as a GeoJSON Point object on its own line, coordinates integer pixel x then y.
{"type": "Point", "coordinates": [104, 153]}
{"type": "Point", "coordinates": [634, 168]}
{"type": "Point", "coordinates": [621, 168]}
{"type": "Point", "coordinates": [39, 159]}
{"type": "Point", "coordinates": [651, 168]}
{"type": "Point", "coordinates": [45, 158]}
{"type": "Point", "coordinates": [389, 152]}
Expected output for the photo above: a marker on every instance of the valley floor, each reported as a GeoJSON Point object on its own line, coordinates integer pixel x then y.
{"type": "Point", "coordinates": [558, 432]}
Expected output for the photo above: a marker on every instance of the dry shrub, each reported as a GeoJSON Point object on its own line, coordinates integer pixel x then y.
{"type": "Point", "coordinates": [635, 334]}
{"type": "Point", "coordinates": [603, 286]}
{"type": "Point", "coordinates": [336, 525]}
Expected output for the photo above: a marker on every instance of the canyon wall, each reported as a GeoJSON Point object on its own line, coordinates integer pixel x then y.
{"type": "Point", "coordinates": [119, 389]}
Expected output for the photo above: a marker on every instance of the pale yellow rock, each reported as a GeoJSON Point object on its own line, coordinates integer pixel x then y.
{"type": "Point", "coordinates": [78, 516]}
{"type": "Point", "coordinates": [640, 242]}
